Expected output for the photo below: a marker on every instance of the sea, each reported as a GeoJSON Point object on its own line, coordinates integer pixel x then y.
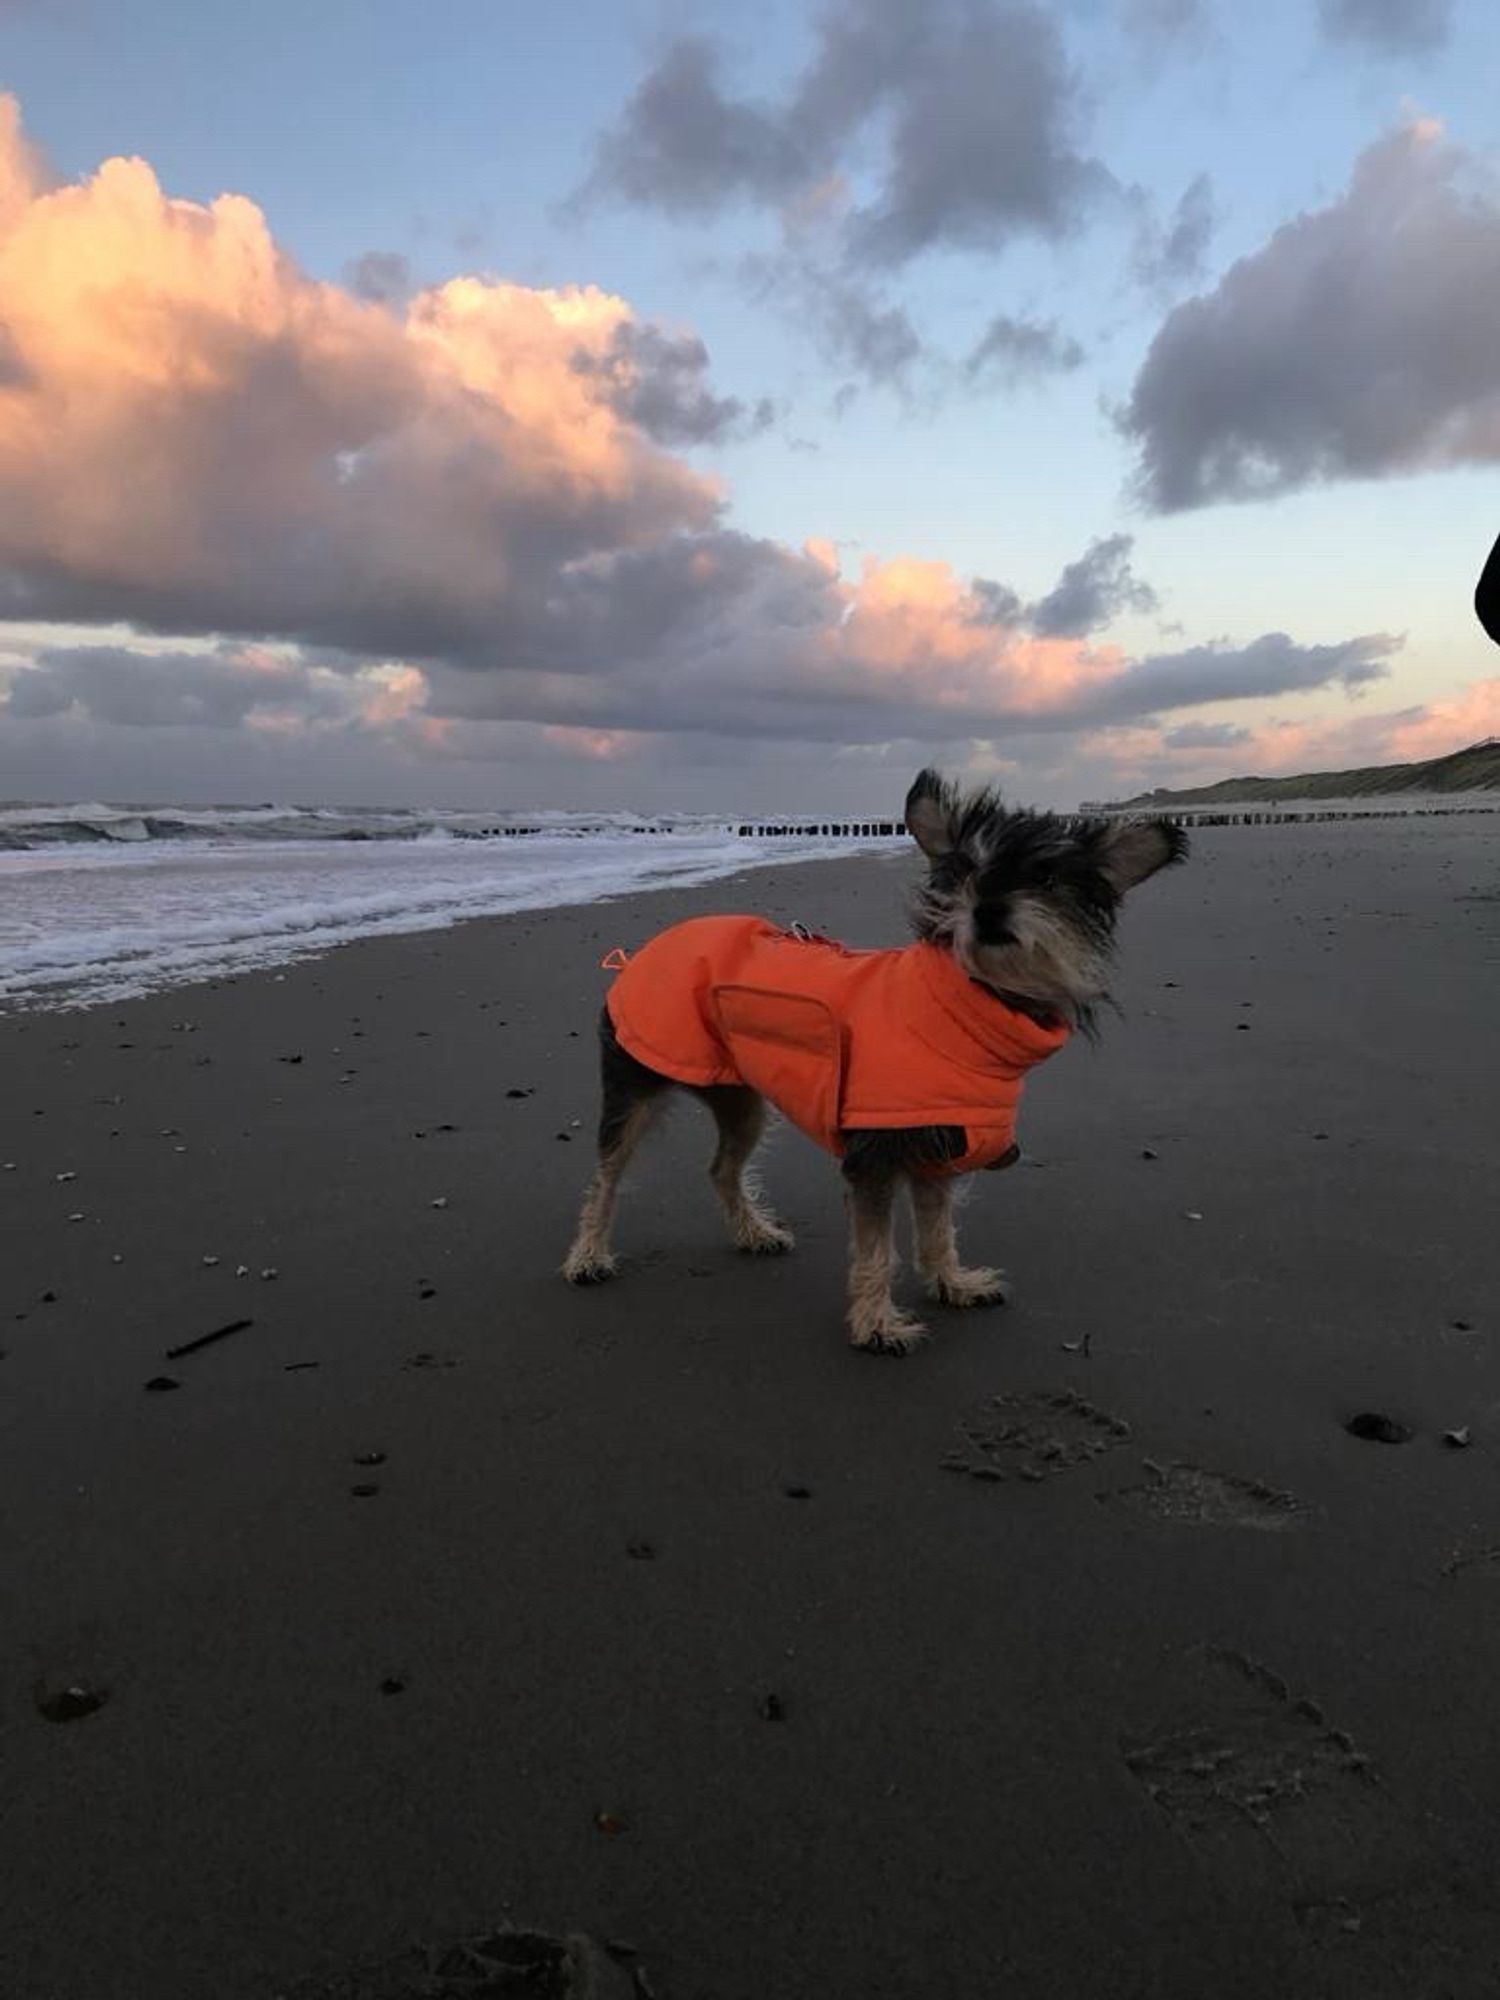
{"type": "Point", "coordinates": [106, 902]}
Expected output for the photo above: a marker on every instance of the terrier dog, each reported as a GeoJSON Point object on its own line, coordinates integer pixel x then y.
{"type": "Point", "coordinates": [906, 1064]}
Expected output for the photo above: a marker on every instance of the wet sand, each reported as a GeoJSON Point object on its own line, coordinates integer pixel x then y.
{"type": "Point", "coordinates": [1083, 1653]}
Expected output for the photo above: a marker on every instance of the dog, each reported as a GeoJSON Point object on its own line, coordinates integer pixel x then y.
{"type": "Point", "coordinates": [906, 1064]}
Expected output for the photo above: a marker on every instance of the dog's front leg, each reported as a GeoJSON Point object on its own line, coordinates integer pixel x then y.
{"type": "Point", "coordinates": [937, 1249]}
{"type": "Point", "coordinates": [876, 1322]}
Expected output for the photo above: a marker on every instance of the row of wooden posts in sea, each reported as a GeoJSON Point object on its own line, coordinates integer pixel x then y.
{"type": "Point", "coordinates": [893, 829]}
{"type": "Point", "coordinates": [865, 829]}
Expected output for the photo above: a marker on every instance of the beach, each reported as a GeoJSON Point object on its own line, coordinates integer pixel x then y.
{"type": "Point", "coordinates": [1081, 1653]}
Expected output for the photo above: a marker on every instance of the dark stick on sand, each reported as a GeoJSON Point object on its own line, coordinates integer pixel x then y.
{"type": "Point", "coordinates": [206, 1339]}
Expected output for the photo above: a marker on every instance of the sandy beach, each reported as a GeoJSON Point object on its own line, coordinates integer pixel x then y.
{"type": "Point", "coordinates": [1082, 1655]}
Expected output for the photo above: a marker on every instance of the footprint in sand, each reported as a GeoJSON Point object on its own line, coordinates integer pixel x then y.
{"type": "Point", "coordinates": [1033, 1436]}
{"type": "Point", "coordinates": [1191, 1497]}
{"type": "Point", "coordinates": [1273, 1799]}
{"type": "Point", "coordinates": [501, 1962]}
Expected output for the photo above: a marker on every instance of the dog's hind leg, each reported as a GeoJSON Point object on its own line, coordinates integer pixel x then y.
{"type": "Point", "coordinates": [634, 1097]}
{"type": "Point", "coordinates": [876, 1322]}
{"type": "Point", "coordinates": [740, 1114]}
{"type": "Point", "coordinates": [937, 1249]}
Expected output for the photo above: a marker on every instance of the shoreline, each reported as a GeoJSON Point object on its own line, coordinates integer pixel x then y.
{"type": "Point", "coordinates": [262, 929]}
{"type": "Point", "coordinates": [711, 1635]}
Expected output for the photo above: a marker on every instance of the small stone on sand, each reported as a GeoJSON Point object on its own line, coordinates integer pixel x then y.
{"type": "Point", "coordinates": [1379, 1429]}
{"type": "Point", "coordinates": [71, 1703]}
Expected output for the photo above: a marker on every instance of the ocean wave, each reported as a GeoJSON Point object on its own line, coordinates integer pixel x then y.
{"type": "Point", "coordinates": [25, 828]}
{"type": "Point", "coordinates": [80, 926]}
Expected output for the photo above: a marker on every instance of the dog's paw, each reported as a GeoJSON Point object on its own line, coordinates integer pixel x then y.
{"type": "Point", "coordinates": [981, 1287]}
{"type": "Point", "coordinates": [587, 1267]}
{"type": "Point", "coordinates": [764, 1236]}
{"type": "Point", "coordinates": [889, 1332]}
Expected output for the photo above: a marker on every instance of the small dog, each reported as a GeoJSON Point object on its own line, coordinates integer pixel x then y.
{"type": "Point", "coordinates": [906, 1064]}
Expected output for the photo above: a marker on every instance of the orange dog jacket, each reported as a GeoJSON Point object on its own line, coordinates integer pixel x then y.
{"type": "Point", "coordinates": [836, 1039]}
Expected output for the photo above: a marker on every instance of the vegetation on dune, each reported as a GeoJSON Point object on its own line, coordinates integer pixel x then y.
{"type": "Point", "coordinates": [1475, 769]}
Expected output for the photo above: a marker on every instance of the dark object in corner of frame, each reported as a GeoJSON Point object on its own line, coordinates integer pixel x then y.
{"type": "Point", "coordinates": [1487, 595]}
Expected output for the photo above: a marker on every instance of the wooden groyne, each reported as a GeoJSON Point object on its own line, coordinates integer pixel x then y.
{"type": "Point", "coordinates": [749, 829]}
{"type": "Point", "coordinates": [878, 829]}
{"type": "Point", "coordinates": [893, 829]}
{"type": "Point", "coordinates": [1198, 816]}
{"type": "Point", "coordinates": [823, 829]}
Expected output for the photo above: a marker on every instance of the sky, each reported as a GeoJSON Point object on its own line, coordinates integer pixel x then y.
{"type": "Point", "coordinates": [657, 405]}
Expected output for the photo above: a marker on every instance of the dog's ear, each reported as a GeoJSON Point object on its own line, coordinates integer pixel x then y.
{"type": "Point", "coordinates": [932, 814]}
{"type": "Point", "coordinates": [1136, 848]}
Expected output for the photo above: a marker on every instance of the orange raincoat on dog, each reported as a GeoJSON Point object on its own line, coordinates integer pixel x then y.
{"type": "Point", "coordinates": [858, 1040]}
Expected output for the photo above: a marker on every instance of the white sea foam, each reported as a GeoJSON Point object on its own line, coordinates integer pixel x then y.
{"type": "Point", "coordinates": [118, 918]}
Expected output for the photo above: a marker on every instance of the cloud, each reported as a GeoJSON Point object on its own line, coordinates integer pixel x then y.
{"type": "Point", "coordinates": [1091, 592]}
{"type": "Point", "coordinates": [221, 688]}
{"type": "Point", "coordinates": [847, 316]}
{"type": "Point", "coordinates": [1206, 736]}
{"type": "Point", "coordinates": [858, 329]}
{"type": "Point", "coordinates": [729, 633]}
{"type": "Point", "coordinates": [1270, 665]}
{"type": "Point", "coordinates": [1167, 26]}
{"type": "Point", "coordinates": [949, 126]}
{"type": "Point", "coordinates": [1012, 350]}
{"type": "Point", "coordinates": [971, 106]}
{"type": "Point", "coordinates": [683, 147]}
{"type": "Point", "coordinates": [197, 437]}
{"type": "Point", "coordinates": [1131, 758]}
{"type": "Point", "coordinates": [1164, 259]}
{"type": "Point", "coordinates": [382, 276]}
{"type": "Point", "coordinates": [408, 528]}
{"type": "Point", "coordinates": [1392, 27]}
{"type": "Point", "coordinates": [1358, 342]}
{"type": "Point", "coordinates": [981, 104]}
{"type": "Point", "coordinates": [14, 373]}
{"type": "Point", "coordinates": [658, 383]}
{"type": "Point", "coordinates": [995, 603]}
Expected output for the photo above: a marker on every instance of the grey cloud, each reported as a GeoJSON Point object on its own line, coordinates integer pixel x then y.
{"type": "Point", "coordinates": [855, 327]}
{"type": "Point", "coordinates": [1012, 349]}
{"type": "Point", "coordinates": [382, 276]}
{"type": "Point", "coordinates": [1272, 664]}
{"type": "Point", "coordinates": [973, 99]}
{"type": "Point", "coordinates": [717, 607]}
{"type": "Point", "coordinates": [14, 371]}
{"type": "Point", "coordinates": [878, 340]}
{"type": "Point", "coordinates": [121, 685]}
{"type": "Point", "coordinates": [1394, 27]}
{"type": "Point", "coordinates": [725, 633]}
{"type": "Point", "coordinates": [710, 632]}
{"type": "Point", "coordinates": [1091, 591]}
{"type": "Point", "coordinates": [981, 149]}
{"type": "Point", "coordinates": [998, 603]}
{"type": "Point", "coordinates": [1206, 736]}
{"type": "Point", "coordinates": [1358, 342]}
{"type": "Point", "coordinates": [858, 329]}
{"type": "Point", "coordinates": [657, 382]}
{"type": "Point", "coordinates": [714, 635]}
{"type": "Point", "coordinates": [1167, 24]}
{"type": "Point", "coordinates": [1165, 258]}
{"type": "Point", "coordinates": [684, 147]}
